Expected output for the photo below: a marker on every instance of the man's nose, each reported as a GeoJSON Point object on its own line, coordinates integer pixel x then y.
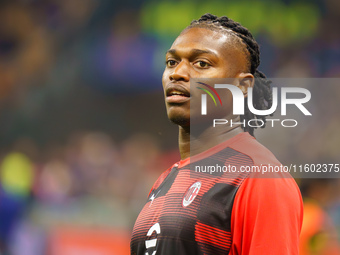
{"type": "Point", "coordinates": [181, 72]}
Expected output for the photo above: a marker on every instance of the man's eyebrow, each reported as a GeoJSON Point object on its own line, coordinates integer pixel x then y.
{"type": "Point", "coordinates": [171, 51]}
{"type": "Point", "coordinates": [193, 52]}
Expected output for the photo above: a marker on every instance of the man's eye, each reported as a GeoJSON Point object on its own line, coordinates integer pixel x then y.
{"type": "Point", "coordinates": [202, 64]}
{"type": "Point", "coordinates": [170, 63]}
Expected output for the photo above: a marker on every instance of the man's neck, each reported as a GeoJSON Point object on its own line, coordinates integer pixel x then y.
{"type": "Point", "coordinates": [191, 144]}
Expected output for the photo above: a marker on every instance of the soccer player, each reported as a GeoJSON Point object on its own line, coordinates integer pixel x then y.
{"type": "Point", "coordinates": [198, 212]}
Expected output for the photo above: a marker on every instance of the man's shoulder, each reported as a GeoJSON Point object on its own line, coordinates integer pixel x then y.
{"type": "Point", "coordinates": [259, 154]}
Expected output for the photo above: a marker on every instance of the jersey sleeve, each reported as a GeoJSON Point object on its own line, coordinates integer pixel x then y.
{"type": "Point", "coordinates": [267, 217]}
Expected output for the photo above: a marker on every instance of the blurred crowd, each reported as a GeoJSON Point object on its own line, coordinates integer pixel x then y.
{"type": "Point", "coordinates": [68, 66]}
{"type": "Point", "coordinates": [90, 182]}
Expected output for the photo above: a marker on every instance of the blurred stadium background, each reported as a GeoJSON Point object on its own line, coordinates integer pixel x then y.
{"type": "Point", "coordinates": [83, 129]}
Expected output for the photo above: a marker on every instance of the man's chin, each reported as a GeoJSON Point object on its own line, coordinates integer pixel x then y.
{"type": "Point", "coordinates": [180, 121]}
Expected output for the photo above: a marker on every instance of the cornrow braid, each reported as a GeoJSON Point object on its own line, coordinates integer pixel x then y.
{"type": "Point", "coordinates": [262, 94]}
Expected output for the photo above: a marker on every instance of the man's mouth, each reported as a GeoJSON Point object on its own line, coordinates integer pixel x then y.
{"type": "Point", "coordinates": [177, 95]}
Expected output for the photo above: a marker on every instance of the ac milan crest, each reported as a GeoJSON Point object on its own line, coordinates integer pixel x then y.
{"type": "Point", "coordinates": [191, 194]}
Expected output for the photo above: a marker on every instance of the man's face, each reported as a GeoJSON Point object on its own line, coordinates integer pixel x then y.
{"type": "Point", "coordinates": [199, 53]}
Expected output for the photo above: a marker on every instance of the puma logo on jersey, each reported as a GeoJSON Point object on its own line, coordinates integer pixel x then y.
{"type": "Point", "coordinates": [153, 196]}
{"type": "Point", "coordinates": [191, 194]}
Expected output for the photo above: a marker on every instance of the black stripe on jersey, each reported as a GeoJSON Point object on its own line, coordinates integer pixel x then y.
{"type": "Point", "coordinates": [216, 206]}
{"type": "Point", "coordinates": [164, 187]}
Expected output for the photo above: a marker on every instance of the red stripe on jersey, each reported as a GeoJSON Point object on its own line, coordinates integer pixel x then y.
{"type": "Point", "coordinates": [205, 234]}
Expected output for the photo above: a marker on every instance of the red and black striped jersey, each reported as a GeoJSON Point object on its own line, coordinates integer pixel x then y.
{"type": "Point", "coordinates": [207, 204]}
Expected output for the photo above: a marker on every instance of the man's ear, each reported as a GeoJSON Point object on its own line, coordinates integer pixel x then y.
{"type": "Point", "coordinates": [245, 81]}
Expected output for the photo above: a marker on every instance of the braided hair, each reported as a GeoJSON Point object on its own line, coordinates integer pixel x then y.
{"type": "Point", "coordinates": [262, 95]}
